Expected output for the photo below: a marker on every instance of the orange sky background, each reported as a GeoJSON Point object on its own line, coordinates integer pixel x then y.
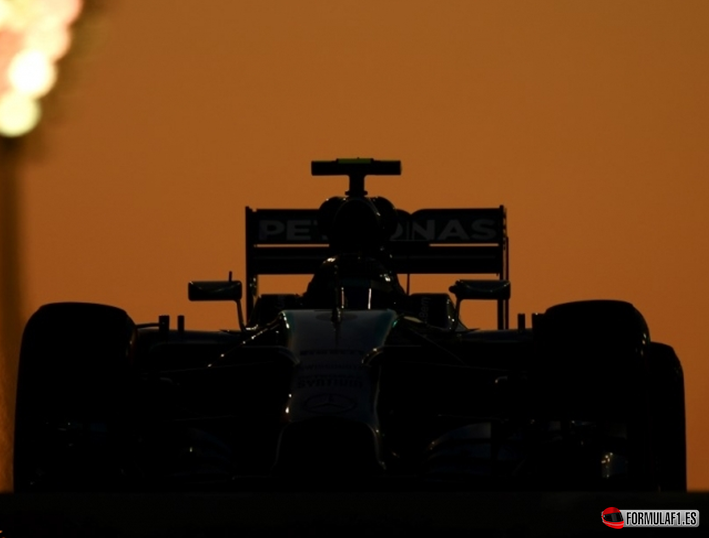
{"type": "Point", "coordinates": [588, 119]}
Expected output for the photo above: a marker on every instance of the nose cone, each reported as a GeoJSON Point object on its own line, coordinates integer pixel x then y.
{"type": "Point", "coordinates": [329, 448]}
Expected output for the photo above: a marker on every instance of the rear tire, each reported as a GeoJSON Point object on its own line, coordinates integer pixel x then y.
{"type": "Point", "coordinates": [72, 393]}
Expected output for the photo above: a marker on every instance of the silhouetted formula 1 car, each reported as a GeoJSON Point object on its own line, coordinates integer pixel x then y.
{"type": "Point", "coordinates": [355, 383]}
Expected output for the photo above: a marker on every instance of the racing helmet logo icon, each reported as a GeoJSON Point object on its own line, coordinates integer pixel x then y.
{"type": "Point", "coordinates": [612, 517]}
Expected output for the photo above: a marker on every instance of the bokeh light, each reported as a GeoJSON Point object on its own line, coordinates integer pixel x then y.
{"type": "Point", "coordinates": [5, 12]}
{"type": "Point", "coordinates": [32, 73]}
{"type": "Point", "coordinates": [62, 12]}
{"type": "Point", "coordinates": [34, 34]}
{"type": "Point", "coordinates": [19, 113]}
{"type": "Point", "coordinates": [52, 40]}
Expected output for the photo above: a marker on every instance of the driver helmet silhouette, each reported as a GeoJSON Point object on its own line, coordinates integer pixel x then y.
{"type": "Point", "coordinates": [357, 275]}
{"type": "Point", "coordinates": [612, 517]}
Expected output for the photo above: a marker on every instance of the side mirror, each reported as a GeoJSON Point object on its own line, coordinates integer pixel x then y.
{"type": "Point", "coordinates": [214, 290]}
{"type": "Point", "coordinates": [218, 290]}
{"type": "Point", "coordinates": [495, 290]}
{"type": "Point", "coordinates": [481, 289]}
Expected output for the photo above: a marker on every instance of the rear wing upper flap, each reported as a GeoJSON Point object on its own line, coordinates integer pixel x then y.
{"type": "Point", "coordinates": [430, 226]}
{"type": "Point", "coordinates": [428, 241]}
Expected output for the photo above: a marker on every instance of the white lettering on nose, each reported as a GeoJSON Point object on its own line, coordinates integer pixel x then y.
{"type": "Point", "coordinates": [298, 230]}
{"type": "Point", "coordinates": [269, 228]}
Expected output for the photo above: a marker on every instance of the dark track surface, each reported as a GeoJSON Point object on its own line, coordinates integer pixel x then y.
{"type": "Point", "coordinates": [340, 514]}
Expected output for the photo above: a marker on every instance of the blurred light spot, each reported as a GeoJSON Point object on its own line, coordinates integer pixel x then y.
{"type": "Point", "coordinates": [10, 44]}
{"type": "Point", "coordinates": [5, 13]}
{"type": "Point", "coordinates": [17, 14]}
{"type": "Point", "coordinates": [52, 41]}
{"type": "Point", "coordinates": [32, 73]}
{"type": "Point", "coordinates": [33, 35]}
{"type": "Point", "coordinates": [61, 11]}
{"type": "Point", "coordinates": [19, 113]}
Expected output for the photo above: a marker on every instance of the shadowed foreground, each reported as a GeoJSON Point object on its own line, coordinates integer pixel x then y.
{"type": "Point", "coordinates": [333, 514]}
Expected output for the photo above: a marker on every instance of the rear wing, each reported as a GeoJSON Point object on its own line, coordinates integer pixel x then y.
{"type": "Point", "coordinates": [428, 241]}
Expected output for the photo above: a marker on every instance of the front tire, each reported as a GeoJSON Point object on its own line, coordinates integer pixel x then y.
{"type": "Point", "coordinates": [592, 373]}
{"type": "Point", "coordinates": [72, 393]}
{"type": "Point", "coordinates": [668, 417]}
